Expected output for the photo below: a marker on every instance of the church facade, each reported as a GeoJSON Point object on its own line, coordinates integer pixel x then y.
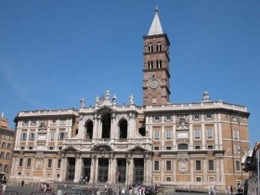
{"type": "Point", "coordinates": [189, 145]}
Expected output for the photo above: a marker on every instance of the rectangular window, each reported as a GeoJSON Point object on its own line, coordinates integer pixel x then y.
{"type": "Point", "coordinates": [52, 135]}
{"type": "Point", "coordinates": [196, 117]}
{"type": "Point", "coordinates": [198, 165]}
{"type": "Point", "coordinates": [168, 118]}
{"type": "Point", "coordinates": [25, 123]}
{"type": "Point", "coordinates": [49, 163]}
{"type": "Point", "coordinates": [211, 165]}
{"type": "Point", "coordinates": [20, 162]}
{"type": "Point", "coordinates": [156, 165]}
{"type": "Point", "coordinates": [209, 116]}
{"type": "Point", "coordinates": [59, 164]}
{"type": "Point", "coordinates": [61, 136]}
{"type": "Point", "coordinates": [23, 136]}
{"type": "Point", "coordinates": [236, 149]}
{"type": "Point", "coordinates": [238, 165]}
{"type": "Point", "coordinates": [235, 134]}
{"type": "Point", "coordinates": [209, 133]}
{"type": "Point", "coordinates": [197, 133]}
{"type": "Point", "coordinates": [168, 178]}
{"type": "Point", "coordinates": [168, 165]}
{"type": "Point", "coordinates": [168, 134]}
{"type": "Point", "coordinates": [210, 147]}
{"type": "Point", "coordinates": [28, 162]}
{"type": "Point", "coordinates": [198, 179]}
{"type": "Point", "coordinates": [156, 135]}
{"type": "Point", "coordinates": [197, 147]}
{"type": "Point", "coordinates": [31, 136]}
{"type": "Point", "coordinates": [157, 118]}
{"type": "Point", "coordinates": [33, 123]}
{"type": "Point", "coordinates": [168, 147]}
{"type": "Point", "coordinates": [156, 148]}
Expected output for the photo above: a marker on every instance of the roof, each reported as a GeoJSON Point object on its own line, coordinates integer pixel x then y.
{"type": "Point", "coordinates": [156, 27]}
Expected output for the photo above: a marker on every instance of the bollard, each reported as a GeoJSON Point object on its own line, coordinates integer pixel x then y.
{"type": "Point", "coordinates": [3, 188]}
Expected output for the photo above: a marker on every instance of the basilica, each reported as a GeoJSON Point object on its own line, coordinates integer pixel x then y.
{"type": "Point", "coordinates": [187, 145]}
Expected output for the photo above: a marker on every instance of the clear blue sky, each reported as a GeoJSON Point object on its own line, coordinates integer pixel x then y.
{"type": "Point", "coordinates": [54, 52]}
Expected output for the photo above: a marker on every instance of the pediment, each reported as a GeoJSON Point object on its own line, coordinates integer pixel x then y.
{"type": "Point", "coordinates": [138, 149]}
{"type": "Point", "coordinates": [102, 148]}
{"type": "Point", "coordinates": [70, 149]}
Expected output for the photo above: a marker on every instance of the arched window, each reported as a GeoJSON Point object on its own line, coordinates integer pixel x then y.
{"type": "Point", "coordinates": [122, 129]}
{"type": "Point", "coordinates": [183, 147]}
{"type": "Point", "coordinates": [9, 146]}
{"type": "Point", "coordinates": [3, 145]}
{"type": "Point", "coordinates": [89, 129]}
{"type": "Point", "coordinates": [159, 47]}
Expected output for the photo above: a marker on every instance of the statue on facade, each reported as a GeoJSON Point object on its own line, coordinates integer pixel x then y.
{"type": "Point", "coordinates": [131, 100]}
{"type": "Point", "coordinates": [82, 102]}
{"type": "Point", "coordinates": [107, 95]}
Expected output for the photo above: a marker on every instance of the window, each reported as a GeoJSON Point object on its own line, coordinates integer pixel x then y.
{"type": "Point", "coordinates": [156, 135]}
{"type": "Point", "coordinates": [51, 148]}
{"type": "Point", "coordinates": [196, 117]}
{"type": "Point", "coordinates": [168, 178]}
{"type": "Point", "coordinates": [2, 155]}
{"type": "Point", "coordinates": [168, 118]}
{"type": "Point", "coordinates": [198, 179]}
{"type": "Point", "coordinates": [150, 65]}
{"type": "Point", "coordinates": [150, 48]}
{"type": "Point", "coordinates": [236, 149]}
{"type": "Point", "coordinates": [210, 147]}
{"type": "Point", "coordinates": [168, 147]}
{"type": "Point", "coordinates": [61, 136]}
{"type": "Point", "coordinates": [49, 163]}
{"type": "Point", "coordinates": [168, 134]}
{"type": "Point", "coordinates": [23, 136]}
{"type": "Point", "coordinates": [235, 134]}
{"type": "Point", "coordinates": [183, 147]}
{"type": "Point", "coordinates": [156, 165]}
{"type": "Point", "coordinates": [197, 147]}
{"type": "Point", "coordinates": [238, 165]}
{"type": "Point", "coordinates": [20, 162]}
{"type": "Point", "coordinates": [211, 165]}
{"type": "Point", "coordinates": [159, 47]}
{"type": "Point", "coordinates": [30, 148]}
{"type": "Point", "coordinates": [7, 156]}
{"type": "Point", "coordinates": [33, 123]}
{"type": "Point", "coordinates": [31, 136]}
{"type": "Point", "coordinates": [25, 123]}
{"type": "Point", "coordinates": [9, 146]}
{"type": "Point", "coordinates": [52, 135]}
{"type": "Point", "coordinates": [210, 133]}
{"type": "Point", "coordinates": [209, 116]}
{"type": "Point", "coordinates": [157, 118]}
{"type": "Point", "coordinates": [168, 165]}
{"type": "Point", "coordinates": [197, 133]}
{"type": "Point", "coordinates": [3, 145]}
{"type": "Point", "coordinates": [59, 164]}
{"type": "Point", "coordinates": [28, 162]}
{"type": "Point", "coordinates": [6, 170]}
{"type": "Point", "coordinates": [158, 63]}
{"type": "Point", "coordinates": [156, 148]}
{"type": "Point", "coordinates": [198, 165]}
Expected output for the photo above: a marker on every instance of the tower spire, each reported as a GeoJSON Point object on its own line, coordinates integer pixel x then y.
{"type": "Point", "coordinates": [156, 27]}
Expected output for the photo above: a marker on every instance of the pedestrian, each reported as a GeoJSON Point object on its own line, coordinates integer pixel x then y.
{"type": "Point", "coordinates": [22, 183]}
{"type": "Point", "coordinates": [231, 189]}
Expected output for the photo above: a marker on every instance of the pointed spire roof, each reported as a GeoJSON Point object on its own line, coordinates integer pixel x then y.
{"type": "Point", "coordinates": [156, 27]}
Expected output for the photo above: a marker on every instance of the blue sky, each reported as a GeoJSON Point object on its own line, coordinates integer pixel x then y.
{"type": "Point", "coordinates": [54, 52]}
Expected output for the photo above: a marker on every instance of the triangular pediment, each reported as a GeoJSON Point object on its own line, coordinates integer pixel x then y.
{"type": "Point", "coordinates": [138, 149]}
{"type": "Point", "coordinates": [70, 149]}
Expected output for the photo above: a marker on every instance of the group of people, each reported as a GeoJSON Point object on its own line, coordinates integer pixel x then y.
{"type": "Point", "coordinates": [45, 187]}
{"type": "Point", "coordinates": [83, 180]}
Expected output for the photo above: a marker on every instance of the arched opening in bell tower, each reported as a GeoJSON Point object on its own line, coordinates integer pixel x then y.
{"type": "Point", "coordinates": [106, 125]}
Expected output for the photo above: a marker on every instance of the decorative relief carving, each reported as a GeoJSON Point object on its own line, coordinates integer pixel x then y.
{"type": "Point", "coordinates": [182, 121]}
{"type": "Point", "coordinates": [43, 127]}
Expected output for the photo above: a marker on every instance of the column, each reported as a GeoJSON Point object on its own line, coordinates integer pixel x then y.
{"type": "Point", "coordinates": [64, 168]}
{"type": "Point", "coordinates": [93, 168]}
{"type": "Point", "coordinates": [203, 140]}
{"type": "Point", "coordinates": [130, 171]}
{"type": "Point", "coordinates": [110, 170]}
{"type": "Point", "coordinates": [149, 172]}
{"type": "Point", "coordinates": [95, 127]}
{"type": "Point", "coordinates": [78, 168]}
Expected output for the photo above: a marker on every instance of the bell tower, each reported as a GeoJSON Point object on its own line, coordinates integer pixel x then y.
{"type": "Point", "coordinates": [156, 71]}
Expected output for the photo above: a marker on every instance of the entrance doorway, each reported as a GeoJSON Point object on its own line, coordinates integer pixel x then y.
{"type": "Point", "coordinates": [102, 170]}
{"type": "Point", "coordinates": [138, 171]}
{"type": "Point", "coordinates": [121, 170]}
{"type": "Point", "coordinates": [70, 169]}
